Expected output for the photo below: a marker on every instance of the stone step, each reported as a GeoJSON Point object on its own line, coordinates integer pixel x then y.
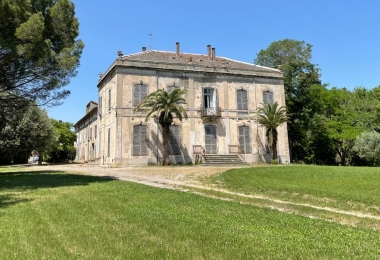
{"type": "Point", "coordinates": [223, 159]}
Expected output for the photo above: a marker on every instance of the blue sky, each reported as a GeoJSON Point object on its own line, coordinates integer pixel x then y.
{"type": "Point", "coordinates": [345, 36]}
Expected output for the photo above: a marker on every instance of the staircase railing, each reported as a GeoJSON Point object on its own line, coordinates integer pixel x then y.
{"type": "Point", "coordinates": [199, 153]}
{"type": "Point", "coordinates": [235, 149]}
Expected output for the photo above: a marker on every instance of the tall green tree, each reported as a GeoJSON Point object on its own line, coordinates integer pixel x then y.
{"type": "Point", "coordinates": [294, 58]}
{"type": "Point", "coordinates": [272, 116]}
{"type": "Point", "coordinates": [39, 50]}
{"type": "Point", "coordinates": [25, 130]}
{"type": "Point", "coordinates": [367, 145]}
{"type": "Point", "coordinates": [62, 149]}
{"type": "Point", "coordinates": [164, 106]}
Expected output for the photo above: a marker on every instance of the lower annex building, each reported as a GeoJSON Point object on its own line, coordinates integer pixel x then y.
{"type": "Point", "coordinates": [222, 98]}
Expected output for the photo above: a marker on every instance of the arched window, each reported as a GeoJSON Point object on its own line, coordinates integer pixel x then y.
{"type": "Point", "coordinates": [139, 92]}
{"type": "Point", "coordinates": [267, 97]}
{"type": "Point", "coordinates": [242, 99]}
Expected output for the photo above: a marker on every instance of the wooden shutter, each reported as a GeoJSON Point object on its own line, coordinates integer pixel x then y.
{"type": "Point", "coordinates": [108, 142]}
{"type": "Point", "coordinates": [210, 139]}
{"type": "Point", "coordinates": [100, 106]}
{"type": "Point", "coordinates": [244, 139]}
{"type": "Point", "coordinates": [139, 140]}
{"type": "Point", "coordinates": [268, 97]}
{"type": "Point", "coordinates": [100, 142]}
{"type": "Point", "coordinates": [109, 99]}
{"type": "Point", "coordinates": [175, 140]}
{"type": "Point", "coordinates": [242, 99]}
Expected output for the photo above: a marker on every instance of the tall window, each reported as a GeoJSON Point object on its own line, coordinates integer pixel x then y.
{"type": "Point", "coordinates": [100, 106]}
{"type": "Point", "coordinates": [209, 98]}
{"type": "Point", "coordinates": [211, 139]}
{"type": "Point", "coordinates": [245, 139]}
{"type": "Point", "coordinates": [140, 145]}
{"type": "Point", "coordinates": [139, 92]}
{"type": "Point", "coordinates": [109, 142]}
{"type": "Point", "coordinates": [242, 99]}
{"type": "Point", "coordinates": [175, 140]}
{"type": "Point", "coordinates": [268, 97]}
{"type": "Point", "coordinates": [100, 143]}
{"type": "Point", "coordinates": [109, 99]}
{"type": "Point", "coordinates": [95, 131]}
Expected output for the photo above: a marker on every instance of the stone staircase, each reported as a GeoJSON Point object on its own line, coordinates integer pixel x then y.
{"type": "Point", "coordinates": [223, 159]}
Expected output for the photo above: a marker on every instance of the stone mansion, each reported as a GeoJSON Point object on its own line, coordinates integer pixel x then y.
{"type": "Point", "coordinates": [222, 99]}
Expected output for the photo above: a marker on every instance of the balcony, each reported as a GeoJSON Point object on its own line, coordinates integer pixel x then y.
{"type": "Point", "coordinates": [211, 112]}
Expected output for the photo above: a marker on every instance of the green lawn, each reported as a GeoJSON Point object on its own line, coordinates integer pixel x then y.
{"type": "Point", "coordinates": [47, 215]}
{"type": "Point", "coordinates": [348, 188]}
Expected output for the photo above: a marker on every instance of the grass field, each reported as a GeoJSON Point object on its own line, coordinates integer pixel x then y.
{"type": "Point", "coordinates": [348, 188]}
{"type": "Point", "coordinates": [56, 215]}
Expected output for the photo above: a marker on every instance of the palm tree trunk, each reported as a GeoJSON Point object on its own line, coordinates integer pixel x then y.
{"type": "Point", "coordinates": [274, 145]}
{"type": "Point", "coordinates": [165, 144]}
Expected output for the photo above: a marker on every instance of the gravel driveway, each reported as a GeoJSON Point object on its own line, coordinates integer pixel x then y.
{"type": "Point", "coordinates": [158, 176]}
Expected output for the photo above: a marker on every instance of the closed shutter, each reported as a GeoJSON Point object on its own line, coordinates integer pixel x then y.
{"type": "Point", "coordinates": [210, 139]}
{"type": "Point", "coordinates": [109, 99]}
{"type": "Point", "coordinates": [268, 97]}
{"type": "Point", "coordinates": [139, 140]}
{"type": "Point", "coordinates": [100, 143]}
{"type": "Point", "coordinates": [175, 140]}
{"type": "Point", "coordinates": [100, 106]}
{"type": "Point", "coordinates": [242, 99]}
{"type": "Point", "coordinates": [139, 92]}
{"type": "Point", "coordinates": [244, 139]}
{"type": "Point", "coordinates": [108, 142]}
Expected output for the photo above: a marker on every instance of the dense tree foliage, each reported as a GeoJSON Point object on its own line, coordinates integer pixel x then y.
{"type": "Point", "coordinates": [62, 150]}
{"type": "Point", "coordinates": [325, 122]}
{"type": "Point", "coordinates": [22, 131]}
{"type": "Point", "coordinates": [39, 52]}
{"type": "Point", "coordinates": [164, 106]}
{"type": "Point", "coordinates": [294, 58]}
{"type": "Point", "coordinates": [367, 145]}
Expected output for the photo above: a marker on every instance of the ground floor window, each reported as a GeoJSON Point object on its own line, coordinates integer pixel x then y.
{"type": "Point", "coordinates": [140, 146]}
{"type": "Point", "coordinates": [175, 140]}
{"type": "Point", "coordinates": [245, 139]}
{"type": "Point", "coordinates": [210, 139]}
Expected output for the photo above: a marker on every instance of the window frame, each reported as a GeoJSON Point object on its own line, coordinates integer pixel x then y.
{"type": "Point", "coordinates": [268, 97]}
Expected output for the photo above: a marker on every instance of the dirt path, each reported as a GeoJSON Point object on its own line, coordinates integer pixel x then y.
{"type": "Point", "coordinates": [189, 178]}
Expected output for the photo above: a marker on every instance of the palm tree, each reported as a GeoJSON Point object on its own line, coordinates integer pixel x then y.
{"type": "Point", "coordinates": [271, 116]}
{"type": "Point", "coordinates": [163, 105]}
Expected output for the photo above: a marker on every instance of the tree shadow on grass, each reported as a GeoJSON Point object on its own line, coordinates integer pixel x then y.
{"type": "Point", "coordinates": [12, 182]}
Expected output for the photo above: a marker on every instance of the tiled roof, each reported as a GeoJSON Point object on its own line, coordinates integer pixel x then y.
{"type": "Point", "coordinates": [194, 59]}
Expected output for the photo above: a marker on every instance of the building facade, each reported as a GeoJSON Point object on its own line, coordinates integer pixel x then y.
{"type": "Point", "coordinates": [222, 99]}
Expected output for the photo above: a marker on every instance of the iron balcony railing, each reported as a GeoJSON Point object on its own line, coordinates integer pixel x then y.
{"type": "Point", "coordinates": [211, 111]}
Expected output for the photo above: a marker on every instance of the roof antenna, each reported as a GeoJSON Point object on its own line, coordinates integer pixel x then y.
{"type": "Point", "coordinates": [150, 40]}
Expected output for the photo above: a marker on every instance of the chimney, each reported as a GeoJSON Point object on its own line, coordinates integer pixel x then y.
{"type": "Point", "coordinates": [209, 51]}
{"type": "Point", "coordinates": [177, 48]}
{"type": "Point", "coordinates": [144, 49]}
{"type": "Point", "coordinates": [213, 57]}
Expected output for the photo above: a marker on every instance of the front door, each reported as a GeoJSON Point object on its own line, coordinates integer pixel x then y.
{"type": "Point", "coordinates": [210, 139]}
